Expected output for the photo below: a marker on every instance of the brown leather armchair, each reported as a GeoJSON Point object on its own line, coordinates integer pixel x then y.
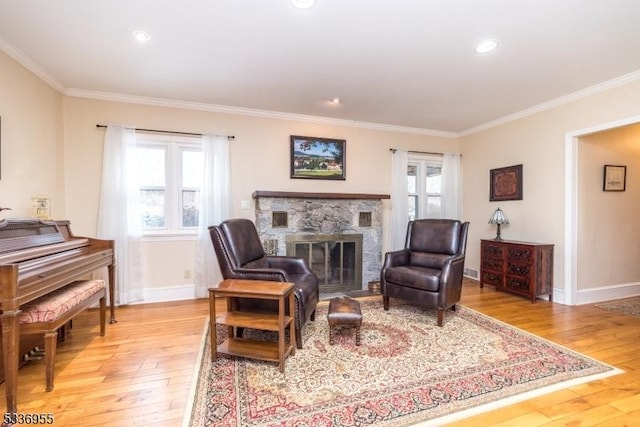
{"type": "Point", "coordinates": [428, 271]}
{"type": "Point", "coordinates": [241, 256]}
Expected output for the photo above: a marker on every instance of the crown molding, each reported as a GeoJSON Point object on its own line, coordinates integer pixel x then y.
{"type": "Point", "coordinates": [225, 109]}
{"type": "Point", "coordinates": [30, 65]}
{"type": "Point", "coordinates": [583, 93]}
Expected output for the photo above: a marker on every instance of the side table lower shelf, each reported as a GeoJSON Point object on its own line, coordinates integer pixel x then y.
{"type": "Point", "coordinates": [261, 350]}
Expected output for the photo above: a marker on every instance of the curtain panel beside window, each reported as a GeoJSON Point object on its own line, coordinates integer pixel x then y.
{"type": "Point", "coordinates": [119, 214]}
{"type": "Point", "coordinates": [215, 208]}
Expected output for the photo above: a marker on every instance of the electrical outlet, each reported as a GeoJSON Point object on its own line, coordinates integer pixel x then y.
{"type": "Point", "coordinates": [187, 273]}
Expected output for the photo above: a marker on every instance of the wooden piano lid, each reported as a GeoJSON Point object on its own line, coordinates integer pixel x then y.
{"type": "Point", "coordinates": [17, 234]}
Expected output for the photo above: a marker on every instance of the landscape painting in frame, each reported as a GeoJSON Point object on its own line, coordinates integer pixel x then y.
{"type": "Point", "coordinates": [317, 158]}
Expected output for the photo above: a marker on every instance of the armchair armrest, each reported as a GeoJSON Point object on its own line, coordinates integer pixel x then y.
{"type": "Point", "coordinates": [268, 274]}
{"type": "Point", "coordinates": [289, 264]}
{"type": "Point", "coordinates": [396, 258]}
{"type": "Point", "coordinates": [452, 266]}
{"type": "Point", "coordinates": [451, 279]}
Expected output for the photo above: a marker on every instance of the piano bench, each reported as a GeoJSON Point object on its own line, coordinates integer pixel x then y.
{"type": "Point", "coordinates": [50, 312]}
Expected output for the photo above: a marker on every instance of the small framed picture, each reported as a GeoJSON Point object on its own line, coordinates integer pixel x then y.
{"type": "Point", "coordinates": [41, 207]}
{"type": "Point", "coordinates": [317, 158]}
{"type": "Point", "coordinates": [615, 178]}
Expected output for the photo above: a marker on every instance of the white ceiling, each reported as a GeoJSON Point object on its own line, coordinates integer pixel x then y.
{"type": "Point", "coordinates": [408, 63]}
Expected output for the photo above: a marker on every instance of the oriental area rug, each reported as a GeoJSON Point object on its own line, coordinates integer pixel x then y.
{"type": "Point", "coordinates": [630, 306]}
{"type": "Point", "coordinates": [407, 371]}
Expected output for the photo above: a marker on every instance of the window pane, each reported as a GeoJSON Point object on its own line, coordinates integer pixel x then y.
{"type": "Point", "coordinates": [191, 168]}
{"type": "Point", "coordinates": [434, 180]}
{"type": "Point", "coordinates": [433, 207]}
{"type": "Point", "coordinates": [190, 208]}
{"type": "Point", "coordinates": [413, 207]}
{"type": "Point", "coordinates": [151, 164]}
{"type": "Point", "coordinates": [152, 208]}
{"type": "Point", "coordinates": [412, 178]}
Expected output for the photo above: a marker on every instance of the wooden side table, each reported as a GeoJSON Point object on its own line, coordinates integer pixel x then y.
{"type": "Point", "coordinates": [262, 350]}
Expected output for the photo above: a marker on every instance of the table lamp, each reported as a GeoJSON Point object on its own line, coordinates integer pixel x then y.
{"type": "Point", "coordinates": [498, 217]}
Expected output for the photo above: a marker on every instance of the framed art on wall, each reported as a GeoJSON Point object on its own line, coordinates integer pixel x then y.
{"type": "Point", "coordinates": [41, 207]}
{"type": "Point", "coordinates": [505, 183]}
{"type": "Point", "coordinates": [317, 158]}
{"type": "Point", "coordinates": [615, 178]}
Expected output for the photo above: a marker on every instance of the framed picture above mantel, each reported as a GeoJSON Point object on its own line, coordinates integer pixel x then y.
{"type": "Point", "coordinates": [317, 158]}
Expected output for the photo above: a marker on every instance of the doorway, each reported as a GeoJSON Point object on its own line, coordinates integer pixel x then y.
{"type": "Point", "coordinates": [573, 295]}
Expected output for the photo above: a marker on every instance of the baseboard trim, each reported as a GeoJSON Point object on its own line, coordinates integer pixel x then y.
{"type": "Point", "coordinates": [607, 293]}
{"type": "Point", "coordinates": [169, 293]}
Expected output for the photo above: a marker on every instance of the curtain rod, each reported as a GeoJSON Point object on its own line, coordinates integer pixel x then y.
{"type": "Point", "coordinates": [172, 132]}
{"type": "Point", "coordinates": [393, 150]}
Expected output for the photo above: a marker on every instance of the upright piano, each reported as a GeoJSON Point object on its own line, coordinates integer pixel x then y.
{"type": "Point", "coordinates": [36, 258]}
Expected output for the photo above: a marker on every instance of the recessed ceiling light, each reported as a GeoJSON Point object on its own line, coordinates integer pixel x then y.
{"type": "Point", "coordinates": [336, 100]}
{"type": "Point", "coordinates": [487, 46]}
{"type": "Point", "coordinates": [141, 36]}
{"type": "Point", "coordinates": [303, 4]}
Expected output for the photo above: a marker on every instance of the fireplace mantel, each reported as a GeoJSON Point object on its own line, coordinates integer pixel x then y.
{"type": "Point", "coordinates": [302, 195]}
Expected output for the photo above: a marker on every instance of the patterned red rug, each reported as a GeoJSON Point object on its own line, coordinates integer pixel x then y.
{"type": "Point", "coordinates": [406, 371]}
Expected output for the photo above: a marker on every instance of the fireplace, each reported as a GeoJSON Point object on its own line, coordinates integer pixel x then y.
{"type": "Point", "coordinates": [339, 234]}
{"type": "Point", "coordinates": [335, 258]}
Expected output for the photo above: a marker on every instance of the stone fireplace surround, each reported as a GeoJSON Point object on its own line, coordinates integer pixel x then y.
{"type": "Point", "coordinates": [322, 214]}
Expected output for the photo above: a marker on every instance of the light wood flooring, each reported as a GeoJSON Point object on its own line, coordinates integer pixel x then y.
{"type": "Point", "coordinates": [140, 373]}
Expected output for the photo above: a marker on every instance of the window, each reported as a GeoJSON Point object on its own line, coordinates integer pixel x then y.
{"type": "Point", "coordinates": [170, 172]}
{"type": "Point", "coordinates": [424, 180]}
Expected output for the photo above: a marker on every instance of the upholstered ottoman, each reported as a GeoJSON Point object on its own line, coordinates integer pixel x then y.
{"type": "Point", "coordinates": [344, 313]}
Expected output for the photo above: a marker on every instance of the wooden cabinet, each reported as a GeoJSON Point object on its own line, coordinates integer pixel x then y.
{"type": "Point", "coordinates": [277, 322]}
{"type": "Point", "coordinates": [523, 268]}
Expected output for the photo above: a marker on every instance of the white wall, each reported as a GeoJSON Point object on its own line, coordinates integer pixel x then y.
{"type": "Point", "coordinates": [31, 156]}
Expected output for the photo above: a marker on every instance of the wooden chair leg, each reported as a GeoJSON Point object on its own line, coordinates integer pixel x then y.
{"type": "Point", "coordinates": [50, 339]}
{"type": "Point", "coordinates": [440, 316]}
{"type": "Point", "coordinates": [385, 302]}
{"type": "Point", "coordinates": [298, 338]}
{"type": "Point", "coordinates": [103, 315]}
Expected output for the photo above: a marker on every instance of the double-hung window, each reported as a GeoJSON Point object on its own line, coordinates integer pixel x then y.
{"type": "Point", "coordinates": [424, 181]}
{"type": "Point", "coordinates": [170, 173]}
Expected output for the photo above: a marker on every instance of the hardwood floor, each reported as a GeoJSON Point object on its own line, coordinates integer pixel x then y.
{"type": "Point", "coordinates": [140, 373]}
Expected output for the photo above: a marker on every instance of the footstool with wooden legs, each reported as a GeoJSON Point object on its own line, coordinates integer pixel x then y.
{"type": "Point", "coordinates": [344, 313]}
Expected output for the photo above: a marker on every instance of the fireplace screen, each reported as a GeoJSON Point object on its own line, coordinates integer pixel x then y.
{"type": "Point", "coordinates": [335, 259]}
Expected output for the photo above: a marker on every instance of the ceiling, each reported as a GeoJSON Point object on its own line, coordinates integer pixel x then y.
{"type": "Point", "coordinates": [407, 63]}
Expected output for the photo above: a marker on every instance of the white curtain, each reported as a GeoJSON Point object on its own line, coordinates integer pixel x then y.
{"type": "Point", "coordinates": [119, 214]}
{"type": "Point", "coordinates": [399, 199]}
{"type": "Point", "coordinates": [451, 191]}
{"type": "Point", "coordinates": [215, 193]}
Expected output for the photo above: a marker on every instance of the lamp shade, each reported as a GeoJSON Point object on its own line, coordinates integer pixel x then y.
{"type": "Point", "coordinates": [498, 217]}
